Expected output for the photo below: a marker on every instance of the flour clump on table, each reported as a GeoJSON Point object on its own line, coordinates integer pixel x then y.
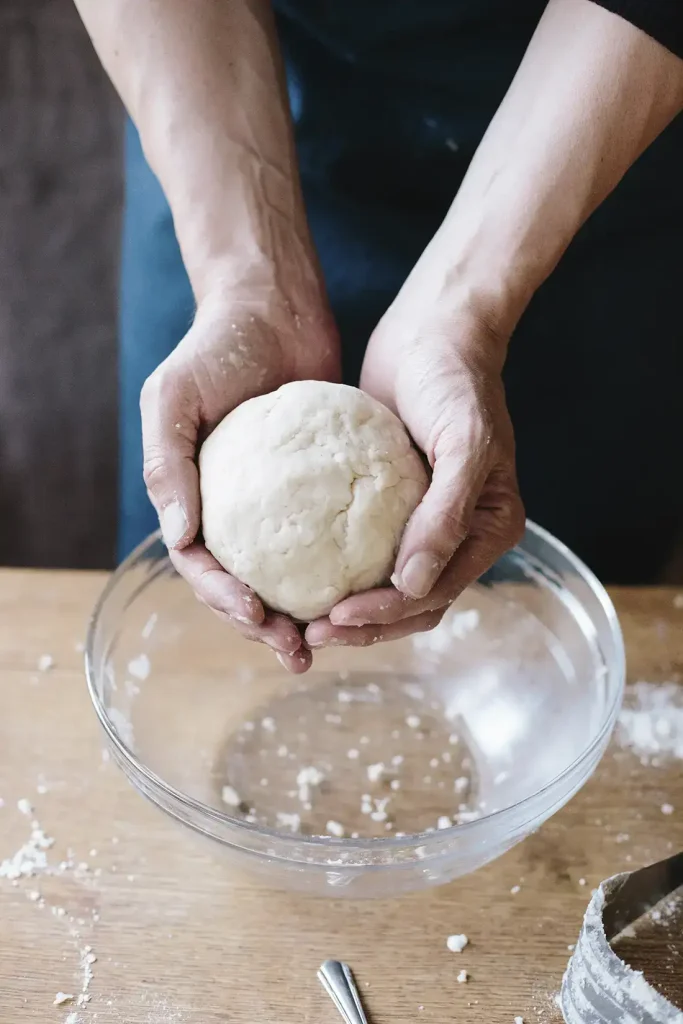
{"type": "Point", "coordinates": [305, 494]}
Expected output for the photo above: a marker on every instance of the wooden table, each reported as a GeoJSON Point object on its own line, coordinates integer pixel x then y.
{"type": "Point", "coordinates": [178, 941]}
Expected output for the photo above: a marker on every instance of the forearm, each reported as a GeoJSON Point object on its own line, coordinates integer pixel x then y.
{"type": "Point", "coordinates": [203, 82]}
{"type": "Point", "coordinates": [590, 95]}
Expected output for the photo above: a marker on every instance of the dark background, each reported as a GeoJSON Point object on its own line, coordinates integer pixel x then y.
{"type": "Point", "coordinates": [60, 199]}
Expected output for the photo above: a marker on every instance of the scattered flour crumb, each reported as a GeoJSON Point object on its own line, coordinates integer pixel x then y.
{"type": "Point", "coordinates": [63, 997]}
{"type": "Point", "coordinates": [285, 820]}
{"type": "Point", "coordinates": [380, 813]}
{"type": "Point", "coordinates": [307, 778]}
{"type": "Point", "coordinates": [667, 808]}
{"type": "Point", "coordinates": [461, 784]}
{"type": "Point", "coordinates": [352, 754]}
{"type": "Point", "coordinates": [140, 667]}
{"type": "Point", "coordinates": [456, 943]}
{"type": "Point", "coordinates": [519, 1020]}
{"type": "Point", "coordinates": [268, 724]}
{"type": "Point", "coordinates": [515, 889]}
{"type": "Point", "coordinates": [582, 881]}
{"type": "Point", "coordinates": [335, 829]}
{"type": "Point", "coordinates": [123, 726]}
{"type": "Point", "coordinates": [444, 822]}
{"type": "Point", "coordinates": [72, 1019]}
{"type": "Point", "coordinates": [462, 977]}
{"type": "Point", "coordinates": [230, 796]}
{"type": "Point", "coordinates": [148, 627]}
{"type": "Point", "coordinates": [24, 806]}
{"type": "Point", "coordinates": [395, 784]}
{"type": "Point", "coordinates": [464, 815]}
{"type": "Point", "coordinates": [132, 689]}
{"type": "Point", "coordinates": [45, 662]}
{"type": "Point", "coordinates": [397, 759]}
{"type": "Point", "coordinates": [413, 721]}
{"type": "Point", "coordinates": [375, 771]}
{"type": "Point", "coordinates": [651, 722]}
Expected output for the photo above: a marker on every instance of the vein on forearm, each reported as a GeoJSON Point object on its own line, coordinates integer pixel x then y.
{"type": "Point", "coordinates": [204, 83]}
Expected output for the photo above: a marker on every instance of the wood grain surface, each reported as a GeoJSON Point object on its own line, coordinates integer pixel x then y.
{"type": "Point", "coordinates": [178, 940]}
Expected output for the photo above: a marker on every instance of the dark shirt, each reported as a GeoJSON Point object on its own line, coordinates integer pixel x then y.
{"type": "Point", "coordinates": [661, 19]}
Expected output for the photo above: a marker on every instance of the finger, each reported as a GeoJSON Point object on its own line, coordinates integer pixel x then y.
{"type": "Point", "coordinates": [494, 531]}
{"type": "Point", "coordinates": [276, 631]}
{"type": "Point", "coordinates": [297, 663]}
{"type": "Point", "coordinates": [324, 633]}
{"type": "Point", "coordinates": [381, 606]}
{"type": "Point", "coordinates": [441, 521]}
{"type": "Point", "coordinates": [169, 440]}
{"type": "Point", "coordinates": [215, 587]}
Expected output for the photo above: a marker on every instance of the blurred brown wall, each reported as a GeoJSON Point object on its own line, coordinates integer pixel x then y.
{"type": "Point", "coordinates": [60, 197]}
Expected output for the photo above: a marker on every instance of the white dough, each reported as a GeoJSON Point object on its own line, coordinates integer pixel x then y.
{"type": "Point", "coordinates": [305, 494]}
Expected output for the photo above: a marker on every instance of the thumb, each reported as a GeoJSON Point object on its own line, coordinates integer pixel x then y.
{"type": "Point", "coordinates": [168, 405]}
{"type": "Point", "coordinates": [442, 520]}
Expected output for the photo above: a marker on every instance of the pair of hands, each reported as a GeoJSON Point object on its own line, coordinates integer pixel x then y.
{"type": "Point", "coordinates": [433, 361]}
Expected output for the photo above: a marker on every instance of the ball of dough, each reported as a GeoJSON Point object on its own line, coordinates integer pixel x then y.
{"type": "Point", "coordinates": [305, 494]}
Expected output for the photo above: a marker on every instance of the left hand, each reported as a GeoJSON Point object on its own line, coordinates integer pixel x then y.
{"type": "Point", "coordinates": [438, 365]}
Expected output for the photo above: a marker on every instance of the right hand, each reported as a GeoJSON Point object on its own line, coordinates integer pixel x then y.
{"type": "Point", "coordinates": [245, 341]}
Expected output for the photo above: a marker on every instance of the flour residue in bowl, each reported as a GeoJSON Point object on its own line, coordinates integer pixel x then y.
{"type": "Point", "coordinates": [388, 761]}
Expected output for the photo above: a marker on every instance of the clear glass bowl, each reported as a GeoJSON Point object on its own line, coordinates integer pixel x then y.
{"type": "Point", "coordinates": [433, 754]}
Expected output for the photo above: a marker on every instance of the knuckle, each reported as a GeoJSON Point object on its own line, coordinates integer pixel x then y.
{"type": "Point", "coordinates": [430, 621]}
{"type": "Point", "coordinates": [434, 620]}
{"type": "Point", "coordinates": [150, 390]}
{"type": "Point", "coordinates": [154, 470]}
{"type": "Point", "coordinates": [514, 520]}
{"type": "Point", "coordinates": [158, 390]}
{"type": "Point", "coordinates": [453, 525]}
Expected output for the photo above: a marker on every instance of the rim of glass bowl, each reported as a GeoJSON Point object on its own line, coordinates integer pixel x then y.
{"type": "Point", "coordinates": [414, 839]}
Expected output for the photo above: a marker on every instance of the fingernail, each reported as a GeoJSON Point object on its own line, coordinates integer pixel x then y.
{"type": "Point", "coordinates": [173, 523]}
{"type": "Point", "coordinates": [419, 575]}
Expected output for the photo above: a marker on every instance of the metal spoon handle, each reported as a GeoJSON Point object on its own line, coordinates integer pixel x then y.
{"type": "Point", "coordinates": [337, 980]}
